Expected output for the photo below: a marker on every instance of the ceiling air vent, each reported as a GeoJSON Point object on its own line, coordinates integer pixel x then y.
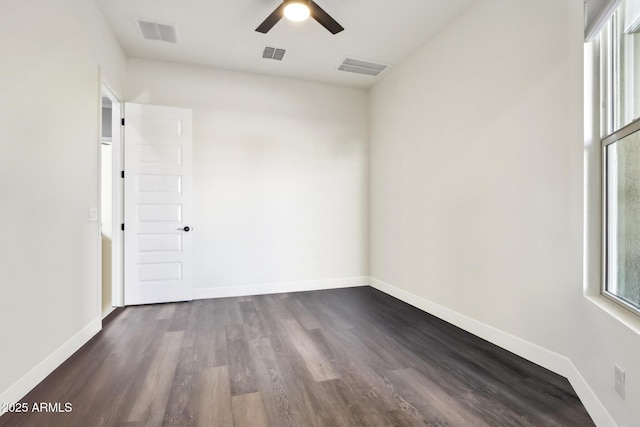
{"type": "Point", "coordinates": [157, 31]}
{"type": "Point", "coordinates": [361, 67]}
{"type": "Point", "coordinates": [273, 53]}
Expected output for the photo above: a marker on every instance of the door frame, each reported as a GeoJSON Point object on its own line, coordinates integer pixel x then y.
{"type": "Point", "coordinates": [117, 282]}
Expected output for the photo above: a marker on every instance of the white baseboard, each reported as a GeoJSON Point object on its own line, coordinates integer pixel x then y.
{"type": "Point", "coordinates": [107, 311]}
{"type": "Point", "coordinates": [278, 287]}
{"type": "Point", "coordinates": [25, 384]}
{"type": "Point", "coordinates": [553, 361]}
{"type": "Point", "coordinates": [588, 397]}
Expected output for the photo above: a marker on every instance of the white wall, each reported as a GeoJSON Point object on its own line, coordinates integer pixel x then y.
{"type": "Point", "coordinates": [476, 192]}
{"type": "Point", "coordinates": [49, 251]}
{"type": "Point", "coordinates": [280, 176]}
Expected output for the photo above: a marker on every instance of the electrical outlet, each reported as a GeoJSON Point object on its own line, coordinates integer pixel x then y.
{"type": "Point", "coordinates": [93, 214]}
{"type": "Point", "coordinates": [619, 381]}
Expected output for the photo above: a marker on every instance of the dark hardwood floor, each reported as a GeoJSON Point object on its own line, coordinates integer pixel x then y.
{"type": "Point", "coordinates": [345, 357]}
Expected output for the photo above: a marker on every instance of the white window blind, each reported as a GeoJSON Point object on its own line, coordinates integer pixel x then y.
{"type": "Point", "coordinates": [596, 14]}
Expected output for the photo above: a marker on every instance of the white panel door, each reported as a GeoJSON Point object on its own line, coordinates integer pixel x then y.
{"type": "Point", "coordinates": [157, 204]}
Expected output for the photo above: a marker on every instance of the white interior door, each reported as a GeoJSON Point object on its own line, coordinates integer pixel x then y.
{"type": "Point", "coordinates": [157, 204]}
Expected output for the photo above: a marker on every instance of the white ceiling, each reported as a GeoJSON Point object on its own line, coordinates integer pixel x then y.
{"type": "Point", "coordinates": [220, 33]}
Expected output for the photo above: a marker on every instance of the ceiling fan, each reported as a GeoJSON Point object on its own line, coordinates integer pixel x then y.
{"type": "Point", "coordinates": [299, 10]}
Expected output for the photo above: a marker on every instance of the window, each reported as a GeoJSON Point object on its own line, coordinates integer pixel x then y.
{"type": "Point", "coordinates": [620, 58]}
{"type": "Point", "coordinates": [621, 68]}
{"type": "Point", "coordinates": [621, 162]}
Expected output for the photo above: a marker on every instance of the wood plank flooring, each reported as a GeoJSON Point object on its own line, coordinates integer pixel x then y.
{"type": "Point", "coordinates": [344, 357]}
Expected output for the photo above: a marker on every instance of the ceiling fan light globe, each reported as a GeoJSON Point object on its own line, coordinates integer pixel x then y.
{"type": "Point", "coordinates": [296, 11]}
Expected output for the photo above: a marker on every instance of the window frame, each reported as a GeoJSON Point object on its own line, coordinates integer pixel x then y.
{"type": "Point", "coordinates": [610, 119]}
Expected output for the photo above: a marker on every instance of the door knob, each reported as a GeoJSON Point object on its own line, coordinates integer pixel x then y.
{"type": "Point", "coordinates": [185, 229]}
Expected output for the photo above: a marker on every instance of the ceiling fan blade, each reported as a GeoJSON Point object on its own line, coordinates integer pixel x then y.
{"type": "Point", "coordinates": [324, 18]}
{"type": "Point", "coordinates": [271, 20]}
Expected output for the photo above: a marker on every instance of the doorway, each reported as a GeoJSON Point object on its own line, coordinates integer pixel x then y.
{"type": "Point", "coordinates": [110, 201]}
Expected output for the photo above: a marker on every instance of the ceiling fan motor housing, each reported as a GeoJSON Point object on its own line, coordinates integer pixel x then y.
{"type": "Point", "coordinates": [304, 2]}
